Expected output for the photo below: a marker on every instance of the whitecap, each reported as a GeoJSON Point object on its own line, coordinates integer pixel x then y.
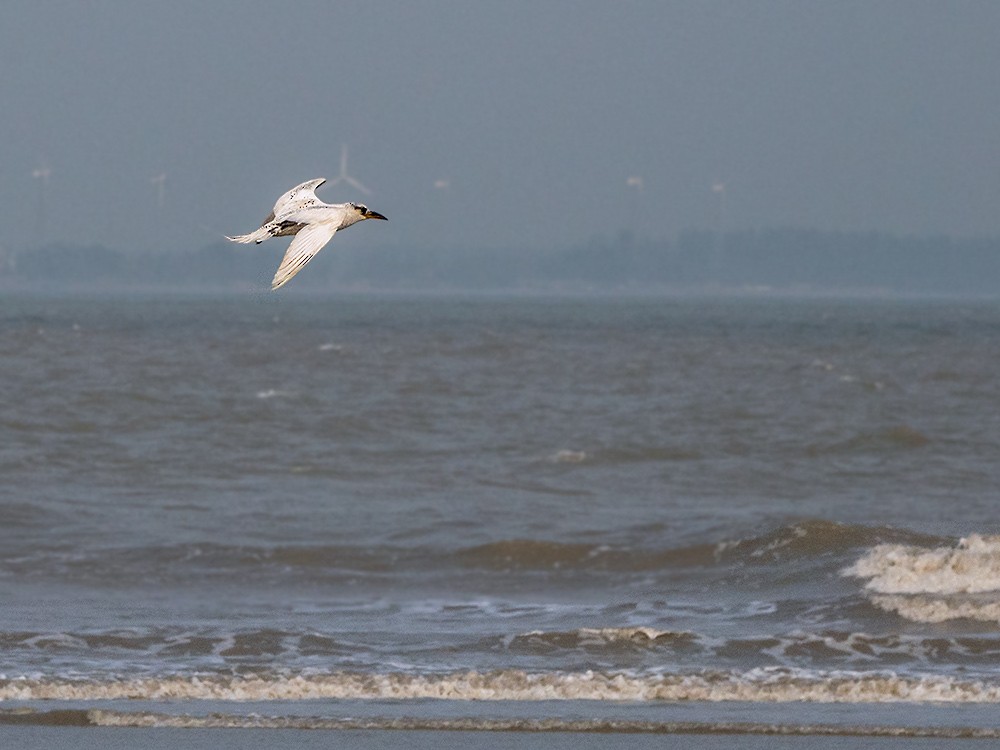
{"type": "Point", "coordinates": [934, 584]}
{"type": "Point", "coordinates": [762, 685]}
{"type": "Point", "coordinates": [569, 457]}
{"type": "Point", "coordinates": [757, 607]}
{"type": "Point", "coordinates": [931, 609]}
{"type": "Point", "coordinates": [272, 393]}
{"type": "Point", "coordinates": [973, 566]}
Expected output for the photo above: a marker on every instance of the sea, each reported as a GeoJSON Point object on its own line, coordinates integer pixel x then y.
{"type": "Point", "coordinates": [692, 514]}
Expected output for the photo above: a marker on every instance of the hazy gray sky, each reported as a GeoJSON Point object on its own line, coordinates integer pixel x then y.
{"type": "Point", "coordinates": [875, 114]}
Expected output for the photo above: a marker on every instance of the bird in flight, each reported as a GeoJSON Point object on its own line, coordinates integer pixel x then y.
{"type": "Point", "coordinates": [313, 223]}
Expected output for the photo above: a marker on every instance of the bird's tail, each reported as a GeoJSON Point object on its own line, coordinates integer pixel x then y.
{"type": "Point", "coordinates": [258, 236]}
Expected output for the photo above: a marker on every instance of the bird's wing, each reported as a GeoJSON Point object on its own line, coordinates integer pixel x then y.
{"type": "Point", "coordinates": [304, 194]}
{"type": "Point", "coordinates": [299, 197]}
{"type": "Point", "coordinates": [309, 241]}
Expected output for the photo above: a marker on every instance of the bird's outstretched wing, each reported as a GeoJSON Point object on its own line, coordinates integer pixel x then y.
{"type": "Point", "coordinates": [309, 241]}
{"type": "Point", "coordinates": [300, 196]}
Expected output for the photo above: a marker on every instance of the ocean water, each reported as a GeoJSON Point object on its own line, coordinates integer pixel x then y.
{"type": "Point", "coordinates": [454, 513]}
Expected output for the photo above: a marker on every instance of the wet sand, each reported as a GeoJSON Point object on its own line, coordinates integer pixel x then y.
{"type": "Point", "coordinates": [102, 738]}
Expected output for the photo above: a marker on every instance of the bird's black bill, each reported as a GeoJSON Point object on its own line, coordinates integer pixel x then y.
{"type": "Point", "coordinates": [374, 215]}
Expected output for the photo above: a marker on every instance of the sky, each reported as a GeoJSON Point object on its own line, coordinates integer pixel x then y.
{"type": "Point", "coordinates": [493, 124]}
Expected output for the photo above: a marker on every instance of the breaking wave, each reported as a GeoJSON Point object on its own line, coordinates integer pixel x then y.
{"type": "Point", "coordinates": [934, 584]}
{"type": "Point", "coordinates": [804, 540]}
{"type": "Point", "coordinates": [812, 538]}
{"type": "Point", "coordinates": [768, 685]}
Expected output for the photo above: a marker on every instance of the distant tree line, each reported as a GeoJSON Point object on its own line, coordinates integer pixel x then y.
{"type": "Point", "coordinates": [777, 258]}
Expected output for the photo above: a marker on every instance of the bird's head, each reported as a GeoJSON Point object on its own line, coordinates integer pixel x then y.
{"type": "Point", "coordinates": [366, 213]}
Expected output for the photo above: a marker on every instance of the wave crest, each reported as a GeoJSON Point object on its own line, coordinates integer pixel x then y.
{"type": "Point", "coordinates": [777, 685]}
{"type": "Point", "coordinates": [811, 538]}
{"type": "Point", "coordinates": [892, 439]}
{"type": "Point", "coordinates": [602, 640]}
{"type": "Point", "coordinates": [934, 584]}
{"type": "Point", "coordinates": [973, 566]}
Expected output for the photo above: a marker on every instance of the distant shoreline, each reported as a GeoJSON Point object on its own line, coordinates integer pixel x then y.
{"type": "Point", "coordinates": [555, 292]}
{"type": "Point", "coordinates": [766, 262]}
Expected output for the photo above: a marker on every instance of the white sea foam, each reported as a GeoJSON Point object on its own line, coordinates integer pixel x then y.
{"type": "Point", "coordinates": [934, 584]}
{"type": "Point", "coordinates": [625, 634]}
{"type": "Point", "coordinates": [772, 685]}
{"type": "Point", "coordinates": [973, 566]}
{"type": "Point", "coordinates": [596, 637]}
{"type": "Point", "coordinates": [272, 393]}
{"type": "Point", "coordinates": [937, 609]}
{"type": "Point", "coordinates": [569, 457]}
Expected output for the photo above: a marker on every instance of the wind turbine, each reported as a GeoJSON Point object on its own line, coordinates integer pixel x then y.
{"type": "Point", "coordinates": [344, 177]}
{"type": "Point", "coordinates": [719, 188]}
{"type": "Point", "coordinates": [160, 183]}
{"type": "Point", "coordinates": [42, 174]}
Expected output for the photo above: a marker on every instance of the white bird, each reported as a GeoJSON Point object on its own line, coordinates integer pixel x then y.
{"type": "Point", "coordinates": [299, 212]}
